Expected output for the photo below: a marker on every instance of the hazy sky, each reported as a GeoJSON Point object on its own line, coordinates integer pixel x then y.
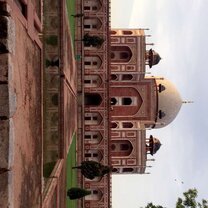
{"type": "Point", "coordinates": [179, 30]}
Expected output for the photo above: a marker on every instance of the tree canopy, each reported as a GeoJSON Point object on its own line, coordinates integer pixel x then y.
{"type": "Point", "coordinates": [92, 40]}
{"type": "Point", "coordinates": [77, 193]}
{"type": "Point", "coordinates": [92, 169]}
{"type": "Point", "coordinates": [151, 205]}
{"type": "Point", "coordinates": [189, 200]}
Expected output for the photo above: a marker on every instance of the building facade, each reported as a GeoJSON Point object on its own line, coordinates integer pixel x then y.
{"type": "Point", "coordinates": [118, 103]}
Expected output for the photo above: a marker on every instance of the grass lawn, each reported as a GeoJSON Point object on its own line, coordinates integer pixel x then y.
{"type": "Point", "coordinates": [71, 10]}
{"type": "Point", "coordinates": [71, 175]}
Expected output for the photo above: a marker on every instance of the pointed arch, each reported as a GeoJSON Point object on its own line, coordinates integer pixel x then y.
{"type": "Point", "coordinates": [92, 24]}
{"type": "Point", "coordinates": [114, 125]}
{"type": "Point", "coordinates": [120, 54]}
{"type": "Point", "coordinates": [93, 155]}
{"type": "Point", "coordinates": [92, 119]}
{"type": "Point", "coordinates": [92, 81]}
{"type": "Point", "coordinates": [121, 148]}
{"type": "Point", "coordinates": [113, 101]}
{"type": "Point", "coordinates": [92, 62]}
{"type": "Point", "coordinates": [96, 195]}
{"type": "Point", "coordinates": [92, 137]}
{"type": "Point", "coordinates": [127, 125]}
{"type": "Point", "coordinates": [92, 99]}
{"type": "Point", "coordinates": [92, 5]}
{"type": "Point", "coordinates": [114, 77]}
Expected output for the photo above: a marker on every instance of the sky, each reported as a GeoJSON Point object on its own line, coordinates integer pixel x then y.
{"type": "Point", "coordinates": [179, 31]}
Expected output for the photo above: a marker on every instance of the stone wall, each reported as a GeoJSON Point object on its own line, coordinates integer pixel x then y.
{"type": "Point", "coordinates": [7, 103]}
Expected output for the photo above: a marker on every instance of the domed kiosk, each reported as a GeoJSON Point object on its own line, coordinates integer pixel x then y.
{"type": "Point", "coordinates": [153, 145]}
{"type": "Point", "coordinates": [169, 102]}
{"type": "Point", "coordinates": [153, 57]}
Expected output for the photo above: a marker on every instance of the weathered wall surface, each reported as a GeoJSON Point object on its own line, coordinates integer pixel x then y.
{"type": "Point", "coordinates": [20, 106]}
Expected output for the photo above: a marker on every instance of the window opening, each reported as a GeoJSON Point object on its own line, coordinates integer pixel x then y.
{"type": "Point", "coordinates": [124, 147]}
{"type": "Point", "coordinates": [114, 125]}
{"type": "Point", "coordinates": [113, 77]}
{"type": "Point", "coordinates": [86, 8]}
{"type": "Point", "coordinates": [113, 101]}
{"type": "Point", "coordinates": [113, 147]}
{"type": "Point", "coordinates": [87, 155]}
{"type": "Point", "coordinates": [87, 136]}
{"type": "Point", "coordinates": [94, 8]}
{"type": "Point", "coordinates": [87, 81]}
{"type": "Point", "coordinates": [92, 99]}
{"type": "Point", "coordinates": [126, 101]}
{"type": "Point", "coordinates": [127, 170]}
{"type": "Point", "coordinates": [127, 77]}
{"type": "Point", "coordinates": [127, 125]}
{"type": "Point", "coordinates": [87, 26]}
{"type": "Point", "coordinates": [124, 55]}
{"type": "Point", "coordinates": [87, 118]}
{"type": "Point", "coordinates": [87, 63]}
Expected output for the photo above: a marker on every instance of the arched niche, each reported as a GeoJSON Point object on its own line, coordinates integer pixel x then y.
{"type": "Point", "coordinates": [129, 101]}
{"type": "Point", "coordinates": [95, 195]}
{"type": "Point", "coordinates": [120, 54]}
{"type": "Point", "coordinates": [92, 5]}
{"type": "Point", "coordinates": [92, 62]}
{"type": "Point", "coordinates": [127, 170]}
{"type": "Point", "coordinates": [121, 148]}
{"type": "Point", "coordinates": [92, 99]}
{"type": "Point", "coordinates": [113, 101]}
{"type": "Point", "coordinates": [92, 81]}
{"type": "Point", "coordinates": [114, 77]}
{"type": "Point", "coordinates": [124, 101]}
{"type": "Point", "coordinates": [127, 125]}
{"type": "Point", "coordinates": [92, 137]}
{"type": "Point", "coordinates": [93, 155]}
{"type": "Point", "coordinates": [93, 23]}
{"type": "Point", "coordinates": [92, 118]}
{"type": "Point", "coordinates": [113, 125]}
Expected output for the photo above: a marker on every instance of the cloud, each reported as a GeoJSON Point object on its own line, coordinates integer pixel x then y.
{"type": "Point", "coordinates": [121, 13]}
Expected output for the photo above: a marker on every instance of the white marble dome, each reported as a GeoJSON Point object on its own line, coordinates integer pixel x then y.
{"type": "Point", "coordinates": [169, 102]}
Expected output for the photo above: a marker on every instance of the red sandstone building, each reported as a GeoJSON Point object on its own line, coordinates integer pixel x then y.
{"type": "Point", "coordinates": [118, 103]}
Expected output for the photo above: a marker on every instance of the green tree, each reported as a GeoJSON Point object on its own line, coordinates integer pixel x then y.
{"type": "Point", "coordinates": [189, 200]}
{"type": "Point", "coordinates": [77, 193]}
{"type": "Point", "coordinates": [92, 169]}
{"type": "Point", "coordinates": [151, 205]}
{"type": "Point", "coordinates": [92, 40]}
